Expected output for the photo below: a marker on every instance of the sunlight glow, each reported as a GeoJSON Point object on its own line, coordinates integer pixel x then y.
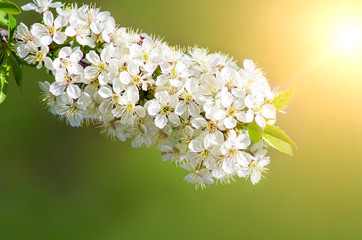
{"type": "Point", "coordinates": [349, 38]}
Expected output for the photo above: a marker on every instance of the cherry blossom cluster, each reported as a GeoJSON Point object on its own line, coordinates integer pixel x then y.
{"type": "Point", "coordinates": [192, 104]}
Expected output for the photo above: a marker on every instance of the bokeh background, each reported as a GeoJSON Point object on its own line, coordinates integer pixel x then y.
{"type": "Point", "coordinates": [59, 182]}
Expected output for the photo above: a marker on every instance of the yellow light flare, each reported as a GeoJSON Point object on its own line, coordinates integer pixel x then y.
{"type": "Point", "coordinates": [349, 38]}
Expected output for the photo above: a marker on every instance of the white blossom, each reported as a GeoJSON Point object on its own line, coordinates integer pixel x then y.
{"type": "Point", "coordinates": [256, 168]}
{"type": "Point", "coordinates": [66, 82]}
{"type": "Point", "coordinates": [102, 66]}
{"type": "Point", "coordinates": [26, 40]}
{"type": "Point", "coordinates": [194, 105]}
{"type": "Point", "coordinates": [82, 33]}
{"type": "Point", "coordinates": [38, 56]}
{"type": "Point", "coordinates": [127, 109]}
{"type": "Point", "coordinates": [162, 108]}
{"type": "Point", "coordinates": [197, 176]}
{"type": "Point", "coordinates": [51, 30]}
{"type": "Point", "coordinates": [233, 156]}
{"type": "Point", "coordinates": [41, 6]}
{"type": "Point", "coordinates": [68, 59]}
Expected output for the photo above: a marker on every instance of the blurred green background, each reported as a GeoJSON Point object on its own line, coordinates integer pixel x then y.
{"type": "Point", "coordinates": [59, 182]}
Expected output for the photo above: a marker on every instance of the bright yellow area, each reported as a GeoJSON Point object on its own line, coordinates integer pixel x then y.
{"type": "Point", "coordinates": [349, 38]}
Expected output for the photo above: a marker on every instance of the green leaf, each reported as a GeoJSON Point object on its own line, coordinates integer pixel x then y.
{"type": "Point", "coordinates": [17, 58]}
{"type": "Point", "coordinates": [3, 19]}
{"type": "Point", "coordinates": [278, 133]}
{"type": "Point", "coordinates": [278, 139]}
{"type": "Point", "coordinates": [4, 75]}
{"type": "Point", "coordinates": [7, 20]}
{"type": "Point", "coordinates": [12, 21]}
{"type": "Point", "coordinates": [9, 7]}
{"type": "Point", "coordinates": [282, 98]}
{"type": "Point", "coordinates": [11, 27]}
{"type": "Point", "coordinates": [278, 144]}
{"type": "Point", "coordinates": [17, 71]}
{"type": "Point", "coordinates": [2, 59]}
{"type": "Point", "coordinates": [21, 61]}
{"type": "Point", "coordinates": [255, 131]}
{"type": "Point", "coordinates": [156, 73]}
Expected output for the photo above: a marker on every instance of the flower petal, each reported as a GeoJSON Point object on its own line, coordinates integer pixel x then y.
{"type": "Point", "coordinates": [74, 91]}
{"type": "Point", "coordinates": [48, 18]}
{"type": "Point", "coordinates": [160, 121]}
{"type": "Point", "coordinates": [105, 92]}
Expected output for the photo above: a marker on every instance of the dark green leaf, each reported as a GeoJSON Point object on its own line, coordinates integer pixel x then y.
{"type": "Point", "coordinates": [4, 75]}
{"type": "Point", "coordinates": [282, 98]}
{"type": "Point", "coordinates": [17, 58]}
{"type": "Point", "coordinates": [278, 133]}
{"type": "Point", "coordinates": [255, 131]}
{"type": "Point", "coordinates": [9, 7]}
{"type": "Point", "coordinates": [2, 59]}
{"type": "Point", "coordinates": [278, 144]}
{"type": "Point", "coordinates": [17, 71]}
{"type": "Point", "coordinates": [21, 61]}
{"type": "Point", "coordinates": [156, 73]}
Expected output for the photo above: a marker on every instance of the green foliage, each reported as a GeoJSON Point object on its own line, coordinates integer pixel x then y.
{"type": "Point", "coordinates": [278, 139]}
{"type": "Point", "coordinates": [3, 19]}
{"type": "Point", "coordinates": [7, 20]}
{"type": "Point", "coordinates": [277, 132]}
{"type": "Point", "coordinates": [16, 70]}
{"type": "Point", "coordinates": [156, 73]}
{"type": "Point", "coordinates": [278, 144]}
{"type": "Point", "coordinates": [11, 27]}
{"type": "Point", "coordinates": [282, 98]}
{"type": "Point", "coordinates": [8, 56]}
{"type": "Point", "coordinates": [4, 75]}
{"type": "Point", "coordinates": [272, 135]}
{"type": "Point", "coordinates": [255, 132]}
{"type": "Point", "coordinates": [9, 7]}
